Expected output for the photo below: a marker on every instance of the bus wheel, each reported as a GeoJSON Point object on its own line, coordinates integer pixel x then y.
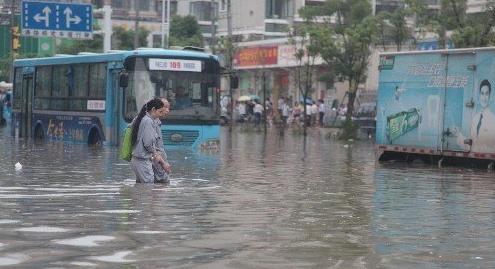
{"type": "Point", "coordinates": [38, 133]}
{"type": "Point", "coordinates": [94, 138]}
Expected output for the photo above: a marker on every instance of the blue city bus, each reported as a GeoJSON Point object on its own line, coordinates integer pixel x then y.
{"type": "Point", "coordinates": [92, 97]}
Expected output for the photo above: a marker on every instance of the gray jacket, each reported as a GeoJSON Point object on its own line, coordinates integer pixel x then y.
{"type": "Point", "coordinates": [147, 139]}
{"type": "Point", "coordinates": [159, 142]}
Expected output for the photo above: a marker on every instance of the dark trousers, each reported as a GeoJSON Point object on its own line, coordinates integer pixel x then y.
{"type": "Point", "coordinates": [257, 119]}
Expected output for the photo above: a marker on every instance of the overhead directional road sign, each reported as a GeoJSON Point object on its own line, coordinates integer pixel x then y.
{"type": "Point", "coordinates": [57, 19]}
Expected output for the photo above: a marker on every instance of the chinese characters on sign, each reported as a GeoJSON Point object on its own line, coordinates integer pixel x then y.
{"type": "Point", "coordinates": [96, 105]}
{"type": "Point", "coordinates": [256, 56]}
{"type": "Point", "coordinates": [437, 79]}
{"type": "Point", "coordinates": [57, 19]}
{"type": "Point", "coordinates": [175, 65]}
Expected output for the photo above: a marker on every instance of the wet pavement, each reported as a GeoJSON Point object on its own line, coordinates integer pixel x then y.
{"type": "Point", "coordinates": [262, 201]}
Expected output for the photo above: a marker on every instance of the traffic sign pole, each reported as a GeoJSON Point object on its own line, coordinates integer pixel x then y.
{"type": "Point", "coordinates": [12, 50]}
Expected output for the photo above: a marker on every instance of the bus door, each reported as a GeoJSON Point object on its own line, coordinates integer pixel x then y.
{"type": "Point", "coordinates": [116, 106]}
{"type": "Point", "coordinates": [26, 105]}
{"type": "Point", "coordinates": [113, 109]}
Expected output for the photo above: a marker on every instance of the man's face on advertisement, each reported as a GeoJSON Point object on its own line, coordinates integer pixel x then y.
{"type": "Point", "coordinates": [484, 96]}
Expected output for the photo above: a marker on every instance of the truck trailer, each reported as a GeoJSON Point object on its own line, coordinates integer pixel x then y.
{"type": "Point", "coordinates": [437, 106]}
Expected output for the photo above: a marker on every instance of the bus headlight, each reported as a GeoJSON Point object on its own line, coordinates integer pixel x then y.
{"type": "Point", "coordinates": [176, 137]}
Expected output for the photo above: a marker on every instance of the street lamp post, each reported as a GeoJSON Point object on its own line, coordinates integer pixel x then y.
{"type": "Point", "coordinates": [136, 24]}
{"type": "Point", "coordinates": [229, 61]}
{"type": "Point", "coordinates": [263, 102]}
{"type": "Point", "coordinates": [163, 24]}
{"type": "Point", "coordinates": [168, 24]}
{"type": "Point", "coordinates": [107, 28]}
{"type": "Point", "coordinates": [13, 49]}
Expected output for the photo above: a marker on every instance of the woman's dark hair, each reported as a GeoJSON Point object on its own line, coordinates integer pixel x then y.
{"type": "Point", "coordinates": [153, 103]}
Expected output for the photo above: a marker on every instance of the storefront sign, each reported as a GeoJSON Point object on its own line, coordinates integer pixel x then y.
{"type": "Point", "coordinates": [175, 65]}
{"type": "Point", "coordinates": [256, 56]}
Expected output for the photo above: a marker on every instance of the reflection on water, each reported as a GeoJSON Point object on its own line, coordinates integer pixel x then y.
{"type": "Point", "coordinates": [263, 201]}
{"type": "Point", "coordinates": [85, 241]}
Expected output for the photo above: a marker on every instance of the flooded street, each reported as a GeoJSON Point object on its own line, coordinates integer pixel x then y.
{"type": "Point", "coordinates": [263, 201]}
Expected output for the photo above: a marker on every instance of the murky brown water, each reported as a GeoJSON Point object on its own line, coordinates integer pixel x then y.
{"type": "Point", "coordinates": [263, 201]}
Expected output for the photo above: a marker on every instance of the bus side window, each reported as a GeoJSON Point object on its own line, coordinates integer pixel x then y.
{"type": "Point", "coordinates": [60, 89]}
{"type": "Point", "coordinates": [43, 84]}
{"type": "Point", "coordinates": [79, 92]}
{"type": "Point", "coordinates": [97, 77]}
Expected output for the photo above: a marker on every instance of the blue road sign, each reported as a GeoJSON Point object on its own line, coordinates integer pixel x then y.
{"type": "Point", "coordinates": [57, 19]}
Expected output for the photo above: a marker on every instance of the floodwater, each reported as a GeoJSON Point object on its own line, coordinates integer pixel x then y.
{"type": "Point", "coordinates": [262, 201]}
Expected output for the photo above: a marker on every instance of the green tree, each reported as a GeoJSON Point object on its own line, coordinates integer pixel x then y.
{"type": "Point", "coordinates": [354, 31]}
{"type": "Point", "coordinates": [308, 38]}
{"type": "Point", "coordinates": [393, 26]}
{"type": "Point", "coordinates": [123, 39]}
{"type": "Point", "coordinates": [468, 30]}
{"type": "Point", "coordinates": [5, 66]}
{"type": "Point", "coordinates": [185, 31]}
{"type": "Point", "coordinates": [226, 49]}
{"type": "Point", "coordinates": [70, 46]}
{"type": "Point", "coordinates": [476, 29]}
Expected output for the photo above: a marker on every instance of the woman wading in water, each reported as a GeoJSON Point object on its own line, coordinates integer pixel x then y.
{"type": "Point", "coordinates": [148, 157]}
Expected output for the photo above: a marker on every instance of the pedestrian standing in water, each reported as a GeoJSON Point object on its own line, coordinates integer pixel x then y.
{"type": "Point", "coordinates": [145, 141]}
{"type": "Point", "coordinates": [258, 111]}
{"type": "Point", "coordinates": [161, 167]}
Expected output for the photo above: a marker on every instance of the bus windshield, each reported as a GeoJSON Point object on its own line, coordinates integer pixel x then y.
{"type": "Point", "coordinates": [189, 85]}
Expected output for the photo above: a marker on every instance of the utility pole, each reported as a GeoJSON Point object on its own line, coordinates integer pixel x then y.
{"type": "Point", "coordinates": [229, 61]}
{"type": "Point", "coordinates": [168, 24]}
{"type": "Point", "coordinates": [107, 28]}
{"type": "Point", "coordinates": [213, 28]}
{"type": "Point", "coordinates": [163, 24]}
{"type": "Point", "coordinates": [14, 44]}
{"type": "Point", "coordinates": [263, 102]}
{"type": "Point", "coordinates": [136, 24]}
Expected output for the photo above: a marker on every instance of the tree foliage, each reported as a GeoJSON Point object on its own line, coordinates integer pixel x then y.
{"type": "Point", "coordinates": [476, 30]}
{"type": "Point", "coordinates": [344, 42]}
{"type": "Point", "coordinates": [467, 30]}
{"type": "Point", "coordinates": [5, 67]}
{"type": "Point", "coordinates": [393, 27]}
{"type": "Point", "coordinates": [185, 31]}
{"type": "Point", "coordinates": [76, 46]}
{"type": "Point", "coordinates": [308, 39]}
{"type": "Point", "coordinates": [122, 39]}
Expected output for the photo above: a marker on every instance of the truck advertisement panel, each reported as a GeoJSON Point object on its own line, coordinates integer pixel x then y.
{"type": "Point", "coordinates": [441, 101]}
{"type": "Point", "coordinates": [409, 102]}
